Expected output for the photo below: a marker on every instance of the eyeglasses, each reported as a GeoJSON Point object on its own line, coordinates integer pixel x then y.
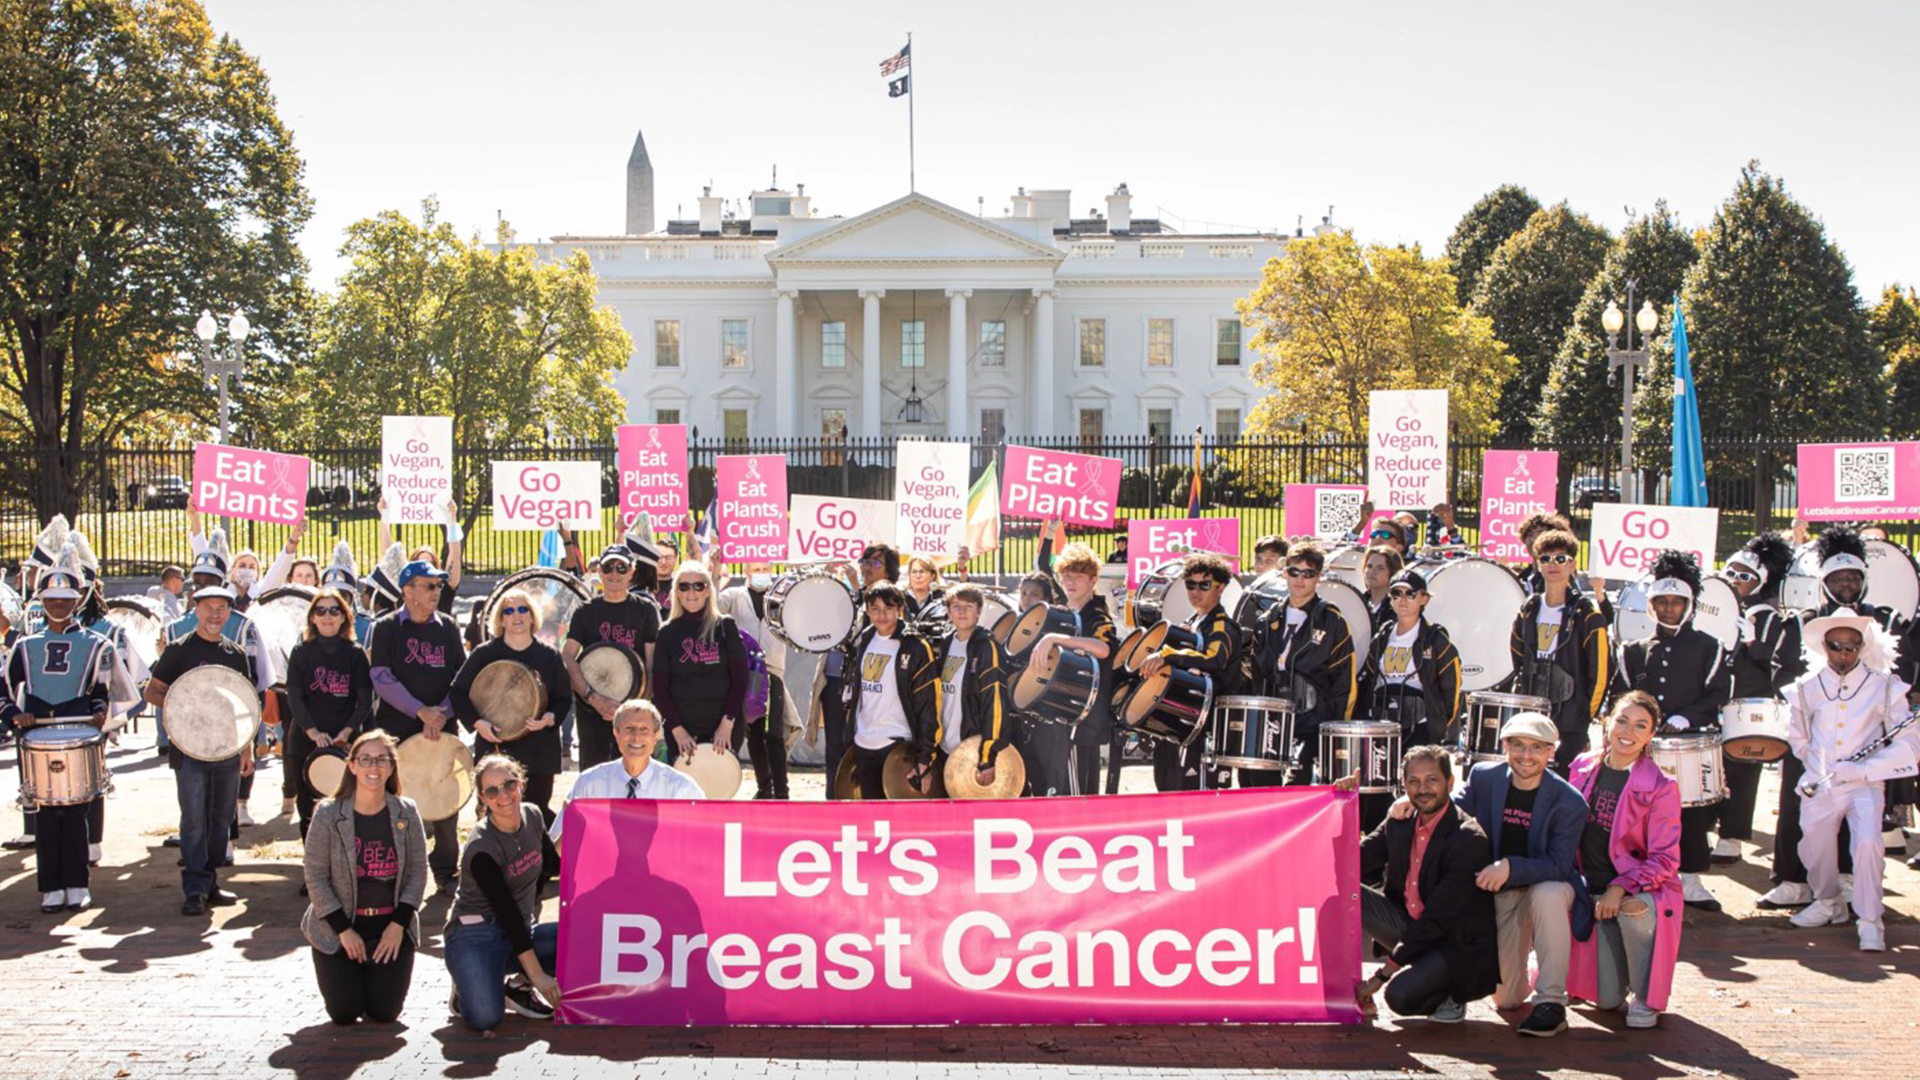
{"type": "Point", "coordinates": [873, 562]}
{"type": "Point", "coordinates": [430, 586]}
{"type": "Point", "coordinates": [1301, 571]}
{"type": "Point", "coordinates": [1200, 586]}
{"type": "Point", "coordinates": [1402, 593]}
{"type": "Point", "coordinates": [1742, 575]}
{"type": "Point", "coordinates": [382, 762]}
{"type": "Point", "coordinates": [329, 610]}
{"type": "Point", "coordinates": [517, 609]}
{"type": "Point", "coordinates": [689, 586]}
{"type": "Point", "coordinates": [507, 787]}
{"type": "Point", "coordinates": [1842, 647]}
{"type": "Point", "coordinates": [1558, 558]}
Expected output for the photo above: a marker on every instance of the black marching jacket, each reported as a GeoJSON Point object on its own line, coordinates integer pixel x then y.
{"type": "Point", "coordinates": [1435, 661]}
{"type": "Point", "coordinates": [983, 692]}
{"type": "Point", "coordinates": [916, 676]}
{"type": "Point", "coordinates": [1218, 655]}
{"type": "Point", "coordinates": [1685, 670]}
{"type": "Point", "coordinates": [1768, 659]}
{"type": "Point", "coordinates": [1319, 660]}
{"type": "Point", "coordinates": [1579, 669]}
{"type": "Point", "coordinates": [1456, 915]}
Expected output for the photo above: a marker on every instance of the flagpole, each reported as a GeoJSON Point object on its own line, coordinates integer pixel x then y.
{"type": "Point", "coordinates": [911, 181]}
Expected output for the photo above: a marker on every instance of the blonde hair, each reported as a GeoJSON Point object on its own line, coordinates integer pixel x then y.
{"type": "Point", "coordinates": [922, 562]}
{"type": "Point", "coordinates": [499, 618]}
{"type": "Point", "coordinates": [709, 615]}
{"type": "Point", "coordinates": [1077, 558]}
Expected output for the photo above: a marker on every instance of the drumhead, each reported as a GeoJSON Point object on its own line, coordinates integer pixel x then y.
{"type": "Point", "coordinates": [1347, 564]}
{"type": "Point", "coordinates": [556, 596]}
{"type": "Point", "coordinates": [612, 670]}
{"type": "Point", "coordinates": [280, 616]}
{"type": "Point", "coordinates": [1165, 589]}
{"type": "Point", "coordinates": [62, 736]}
{"type": "Point", "coordinates": [996, 604]}
{"type": "Point", "coordinates": [509, 696]}
{"type": "Point", "coordinates": [1892, 581]}
{"type": "Point", "coordinates": [812, 610]}
{"type": "Point", "coordinates": [1353, 608]}
{"type": "Point", "coordinates": [1268, 588]}
{"type": "Point", "coordinates": [211, 713]}
{"type": "Point", "coordinates": [326, 767]}
{"type": "Point", "coordinates": [1477, 601]}
{"type": "Point", "coordinates": [1801, 590]}
{"type": "Point", "coordinates": [437, 774]}
{"type": "Point", "coordinates": [1717, 612]}
{"type": "Point", "coordinates": [139, 618]}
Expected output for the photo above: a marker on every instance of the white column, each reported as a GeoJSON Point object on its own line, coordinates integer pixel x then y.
{"type": "Point", "coordinates": [1042, 411]}
{"type": "Point", "coordinates": [786, 365]}
{"type": "Point", "coordinates": [959, 420]}
{"type": "Point", "coordinates": [870, 362]}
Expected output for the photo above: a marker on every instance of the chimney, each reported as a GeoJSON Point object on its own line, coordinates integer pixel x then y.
{"type": "Point", "coordinates": [1120, 211]}
{"type": "Point", "coordinates": [1326, 224]}
{"type": "Point", "coordinates": [1053, 206]}
{"type": "Point", "coordinates": [1022, 204]}
{"type": "Point", "coordinates": [800, 205]}
{"type": "Point", "coordinates": [639, 188]}
{"type": "Point", "coordinates": [709, 212]}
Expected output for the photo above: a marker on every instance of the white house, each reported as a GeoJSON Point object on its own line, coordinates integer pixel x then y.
{"type": "Point", "coordinates": [919, 318]}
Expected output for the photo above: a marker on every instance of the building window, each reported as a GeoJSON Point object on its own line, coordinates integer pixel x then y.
{"type": "Point", "coordinates": [666, 416]}
{"type": "Point", "coordinates": [666, 343]}
{"type": "Point", "coordinates": [1226, 424]}
{"type": "Point", "coordinates": [1093, 342]}
{"type": "Point", "coordinates": [733, 343]}
{"type": "Point", "coordinates": [993, 426]}
{"type": "Point", "coordinates": [733, 424]}
{"type": "Point", "coordinates": [1226, 342]}
{"type": "Point", "coordinates": [993, 343]}
{"type": "Point", "coordinates": [1093, 425]}
{"type": "Point", "coordinates": [1160, 424]}
{"type": "Point", "coordinates": [833, 423]}
{"type": "Point", "coordinates": [913, 343]}
{"type": "Point", "coordinates": [833, 344]}
{"type": "Point", "coordinates": [1160, 343]}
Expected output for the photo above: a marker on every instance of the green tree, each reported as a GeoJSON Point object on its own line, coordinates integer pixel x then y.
{"type": "Point", "coordinates": [1895, 323]}
{"type": "Point", "coordinates": [1580, 404]}
{"type": "Point", "coordinates": [1529, 291]}
{"type": "Point", "coordinates": [1777, 338]}
{"type": "Point", "coordinates": [144, 176]}
{"type": "Point", "coordinates": [516, 351]}
{"type": "Point", "coordinates": [1333, 320]}
{"type": "Point", "coordinates": [1499, 214]}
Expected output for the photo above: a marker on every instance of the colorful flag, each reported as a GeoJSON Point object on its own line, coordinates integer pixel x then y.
{"type": "Point", "coordinates": [707, 533]}
{"type": "Point", "coordinates": [1193, 497]}
{"type": "Point", "coordinates": [900, 86]}
{"type": "Point", "coordinates": [983, 513]}
{"type": "Point", "coordinates": [1689, 458]}
{"type": "Point", "coordinates": [551, 548]}
{"type": "Point", "coordinates": [898, 61]}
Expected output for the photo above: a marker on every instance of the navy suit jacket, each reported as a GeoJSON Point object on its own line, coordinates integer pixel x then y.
{"type": "Point", "coordinates": [1553, 841]}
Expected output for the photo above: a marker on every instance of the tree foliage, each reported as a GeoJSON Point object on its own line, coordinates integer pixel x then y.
{"type": "Point", "coordinates": [1579, 405]}
{"type": "Point", "coordinates": [144, 176]}
{"type": "Point", "coordinates": [1333, 320]}
{"type": "Point", "coordinates": [1895, 323]}
{"type": "Point", "coordinates": [1482, 229]}
{"type": "Point", "coordinates": [1529, 292]}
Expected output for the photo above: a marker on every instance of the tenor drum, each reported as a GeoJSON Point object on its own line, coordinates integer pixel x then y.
{"type": "Point", "coordinates": [556, 596]}
{"type": "Point", "coordinates": [613, 671]}
{"type": "Point", "coordinates": [996, 606]}
{"type": "Point", "coordinates": [1252, 732]}
{"type": "Point", "coordinates": [1477, 601]}
{"type": "Point", "coordinates": [1035, 623]}
{"type": "Point", "coordinates": [63, 765]}
{"type": "Point", "coordinates": [326, 767]}
{"type": "Point", "coordinates": [1693, 760]}
{"type": "Point", "coordinates": [1169, 706]}
{"type": "Point", "coordinates": [1352, 607]}
{"type": "Point", "coordinates": [211, 713]}
{"type": "Point", "coordinates": [1162, 596]}
{"type": "Point", "coordinates": [811, 610]}
{"type": "Point", "coordinates": [509, 695]}
{"type": "Point", "coordinates": [1060, 690]}
{"type": "Point", "coordinates": [1487, 713]}
{"type": "Point", "coordinates": [1368, 749]}
{"type": "Point", "coordinates": [1754, 729]}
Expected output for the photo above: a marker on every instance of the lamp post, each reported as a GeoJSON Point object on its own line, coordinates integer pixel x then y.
{"type": "Point", "coordinates": [1632, 360]}
{"type": "Point", "coordinates": [220, 361]}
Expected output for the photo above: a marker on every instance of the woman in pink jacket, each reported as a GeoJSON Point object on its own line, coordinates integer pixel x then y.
{"type": "Point", "coordinates": [1630, 854]}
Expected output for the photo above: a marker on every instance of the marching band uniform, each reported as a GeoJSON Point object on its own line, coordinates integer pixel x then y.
{"type": "Point", "coordinates": [1066, 760]}
{"type": "Point", "coordinates": [1562, 655]}
{"type": "Point", "coordinates": [1177, 768]}
{"type": "Point", "coordinates": [1765, 662]}
{"type": "Point", "coordinates": [1414, 680]}
{"type": "Point", "coordinates": [1305, 654]}
{"type": "Point", "coordinates": [885, 707]}
{"type": "Point", "coordinates": [972, 697]}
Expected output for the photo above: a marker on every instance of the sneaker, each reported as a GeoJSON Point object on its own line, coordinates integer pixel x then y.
{"type": "Point", "coordinates": [245, 819]}
{"type": "Point", "coordinates": [93, 854]}
{"type": "Point", "coordinates": [53, 901]}
{"type": "Point", "coordinates": [79, 899]}
{"type": "Point", "coordinates": [1873, 937]}
{"type": "Point", "coordinates": [1547, 1019]}
{"type": "Point", "coordinates": [523, 999]}
{"type": "Point", "coordinates": [1788, 894]}
{"type": "Point", "coordinates": [1726, 851]}
{"type": "Point", "coordinates": [1641, 1016]}
{"type": "Point", "coordinates": [1449, 1012]}
{"type": "Point", "coordinates": [19, 843]}
{"type": "Point", "coordinates": [1696, 894]}
{"type": "Point", "coordinates": [1821, 913]}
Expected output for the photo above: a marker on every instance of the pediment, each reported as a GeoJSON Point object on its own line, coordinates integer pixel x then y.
{"type": "Point", "coordinates": [915, 229]}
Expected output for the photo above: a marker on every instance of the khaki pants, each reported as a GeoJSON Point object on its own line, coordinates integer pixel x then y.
{"type": "Point", "coordinates": [1536, 918]}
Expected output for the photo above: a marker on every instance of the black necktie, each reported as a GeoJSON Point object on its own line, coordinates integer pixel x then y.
{"type": "Point", "coordinates": [633, 786]}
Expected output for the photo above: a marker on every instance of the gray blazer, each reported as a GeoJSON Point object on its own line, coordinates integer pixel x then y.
{"type": "Point", "coordinates": [329, 867]}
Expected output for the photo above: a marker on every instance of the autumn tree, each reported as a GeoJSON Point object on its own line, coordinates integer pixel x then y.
{"type": "Point", "coordinates": [1529, 292]}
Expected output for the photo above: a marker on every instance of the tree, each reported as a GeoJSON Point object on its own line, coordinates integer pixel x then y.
{"type": "Point", "coordinates": [144, 176]}
{"type": "Point", "coordinates": [1529, 292]}
{"type": "Point", "coordinates": [1499, 214]}
{"type": "Point", "coordinates": [1895, 324]}
{"type": "Point", "coordinates": [517, 352]}
{"type": "Point", "coordinates": [1579, 404]}
{"type": "Point", "coordinates": [1777, 338]}
{"type": "Point", "coordinates": [1333, 321]}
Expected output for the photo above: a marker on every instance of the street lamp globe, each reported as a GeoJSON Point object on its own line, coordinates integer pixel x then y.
{"type": "Point", "coordinates": [1611, 318]}
{"type": "Point", "coordinates": [238, 327]}
{"type": "Point", "coordinates": [1648, 320]}
{"type": "Point", "coordinates": [206, 328]}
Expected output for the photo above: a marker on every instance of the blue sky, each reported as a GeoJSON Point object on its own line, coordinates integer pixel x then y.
{"type": "Point", "coordinates": [1399, 115]}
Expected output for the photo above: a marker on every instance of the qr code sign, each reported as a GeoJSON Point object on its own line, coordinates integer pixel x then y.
{"type": "Point", "coordinates": [1337, 513]}
{"type": "Point", "coordinates": [1863, 474]}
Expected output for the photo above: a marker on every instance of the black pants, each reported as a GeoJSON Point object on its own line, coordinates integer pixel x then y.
{"type": "Point", "coordinates": [97, 820]}
{"type": "Point", "coordinates": [1787, 866]}
{"type": "Point", "coordinates": [1178, 768]}
{"type": "Point", "coordinates": [869, 770]}
{"type": "Point", "coordinates": [1420, 987]}
{"type": "Point", "coordinates": [595, 735]}
{"type": "Point", "coordinates": [1116, 759]}
{"type": "Point", "coordinates": [354, 990]}
{"type": "Point", "coordinates": [290, 782]}
{"type": "Point", "coordinates": [767, 744]}
{"type": "Point", "coordinates": [60, 846]}
{"type": "Point", "coordinates": [1696, 850]}
{"type": "Point", "coordinates": [833, 718]}
{"type": "Point", "coordinates": [444, 860]}
{"type": "Point", "coordinates": [1734, 820]}
{"type": "Point", "coordinates": [1047, 748]}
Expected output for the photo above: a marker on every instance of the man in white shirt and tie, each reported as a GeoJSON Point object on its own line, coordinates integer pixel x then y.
{"type": "Point", "coordinates": [635, 774]}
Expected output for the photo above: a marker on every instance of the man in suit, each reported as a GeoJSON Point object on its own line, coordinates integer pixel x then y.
{"type": "Point", "coordinates": [1418, 899]}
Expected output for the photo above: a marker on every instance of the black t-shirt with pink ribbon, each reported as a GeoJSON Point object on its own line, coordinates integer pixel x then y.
{"type": "Point", "coordinates": [329, 685]}
{"type": "Point", "coordinates": [633, 622]}
{"type": "Point", "coordinates": [376, 862]}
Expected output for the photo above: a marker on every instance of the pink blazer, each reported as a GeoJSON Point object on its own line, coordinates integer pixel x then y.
{"type": "Point", "coordinates": [1646, 849]}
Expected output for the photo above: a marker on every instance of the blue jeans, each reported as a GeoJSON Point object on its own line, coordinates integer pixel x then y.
{"type": "Point", "coordinates": [480, 956]}
{"type": "Point", "coordinates": [208, 792]}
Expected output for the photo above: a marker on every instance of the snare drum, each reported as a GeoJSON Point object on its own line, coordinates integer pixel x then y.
{"type": "Point", "coordinates": [1487, 713]}
{"type": "Point", "coordinates": [811, 610]}
{"type": "Point", "coordinates": [1252, 732]}
{"type": "Point", "coordinates": [1754, 729]}
{"type": "Point", "coordinates": [1170, 706]}
{"type": "Point", "coordinates": [1693, 760]}
{"type": "Point", "coordinates": [326, 767]}
{"type": "Point", "coordinates": [1059, 691]}
{"type": "Point", "coordinates": [63, 765]}
{"type": "Point", "coordinates": [1368, 749]}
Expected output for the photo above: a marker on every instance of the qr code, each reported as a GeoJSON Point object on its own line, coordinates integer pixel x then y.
{"type": "Point", "coordinates": [1337, 513]}
{"type": "Point", "coordinates": [1863, 474]}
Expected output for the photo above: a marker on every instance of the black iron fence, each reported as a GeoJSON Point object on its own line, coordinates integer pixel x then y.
{"type": "Point", "coordinates": [132, 503]}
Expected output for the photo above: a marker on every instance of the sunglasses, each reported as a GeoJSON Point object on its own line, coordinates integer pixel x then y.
{"type": "Point", "coordinates": [1301, 571]}
{"type": "Point", "coordinates": [615, 566]}
{"type": "Point", "coordinates": [329, 610]}
{"type": "Point", "coordinates": [1558, 558]}
{"type": "Point", "coordinates": [1402, 594]}
{"type": "Point", "coordinates": [430, 586]}
{"type": "Point", "coordinates": [1200, 586]}
{"type": "Point", "coordinates": [1842, 647]}
{"type": "Point", "coordinates": [382, 762]}
{"type": "Point", "coordinates": [504, 788]}
{"type": "Point", "coordinates": [1379, 534]}
{"type": "Point", "coordinates": [690, 586]}
{"type": "Point", "coordinates": [1742, 575]}
{"type": "Point", "coordinates": [517, 609]}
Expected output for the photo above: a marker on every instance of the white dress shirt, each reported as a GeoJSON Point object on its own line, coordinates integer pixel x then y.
{"type": "Point", "coordinates": [609, 780]}
{"type": "Point", "coordinates": [1835, 716]}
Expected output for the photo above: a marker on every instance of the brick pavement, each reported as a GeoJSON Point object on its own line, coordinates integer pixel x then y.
{"type": "Point", "coordinates": [131, 989]}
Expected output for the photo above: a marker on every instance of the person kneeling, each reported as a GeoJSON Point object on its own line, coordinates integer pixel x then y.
{"type": "Point", "coordinates": [491, 927]}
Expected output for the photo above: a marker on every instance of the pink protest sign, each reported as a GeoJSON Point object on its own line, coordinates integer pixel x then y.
{"type": "Point", "coordinates": [652, 462]}
{"type": "Point", "coordinates": [1514, 485]}
{"type": "Point", "coordinates": [1171, 908]}
{"type": "Point", "coordinates": [1153, 541]}
{"type": "Point", "coordinates": [256, 485]}
{"type": "Point", "coordinates": [1328, 511]}
{"type": "Point", "coordinates": [752, 493]}
{"type": "Point", "coordinates": [1079, 488]}
{"type": "Point", "coordinates": [1860, 481]}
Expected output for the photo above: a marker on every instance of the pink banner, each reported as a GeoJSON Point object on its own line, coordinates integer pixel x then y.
{"type": "Point", "coordinates": [1043, 484]}
{"type": "Point", "coordinates": [1860, 481]}
{"type": "Point", "coordinates": [1172, 908]}
{"type": "Point", "coordinates": [256, 485]}
{"type": "Point", "coordinates": [652, 460]}
{"type": "Point", "coordinates": [1514, 485]}
{"type": "Point", "coordinates": [1328, 511]}
{"type": "Point", "coordinates": [752, 492]}
{"type": "Point", "coordinates": [1152, 541]}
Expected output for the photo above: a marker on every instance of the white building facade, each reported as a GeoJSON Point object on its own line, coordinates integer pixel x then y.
{"type": "Point", "coordinates": [917, 318]}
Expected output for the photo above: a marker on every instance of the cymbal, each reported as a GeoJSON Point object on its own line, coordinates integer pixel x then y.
{"type": "Point", "coordinates": [1009, 772]}
{"type": "Point", "coordinates": [893, 776]}
{"type": "Point", "coordinates": [843, 785]}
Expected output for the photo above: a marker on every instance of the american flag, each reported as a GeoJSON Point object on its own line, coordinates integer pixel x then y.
{"type": "Point", "coordinates": [896, 62]}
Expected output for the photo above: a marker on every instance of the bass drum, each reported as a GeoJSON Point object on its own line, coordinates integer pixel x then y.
{"type": "Point", "coordinates": [1477, 601]}
{"type": "Point", "coordinates": [1716, 612]}
{"type": "Point", "coordinates": [1353, 608]}
{"type": "Point", "coordinates": [1162, 596]}
{"type": "Point", "coordinates": [1892, 580]}
{"type": "Point", "coordinates": [280, 616]}
{"type": "Point", "coordinates": [1256, 596]}
{"type": "Point", "coordinates": [811, 610]}
{"type": "Point", "coordinates": [1348, 564]}
{"type": "Point", "coordinates": [556, 596]}
{"type": "Point", "coordinates": [1801, 590]}
{"type": "Point", "coordinates": [139, 621]}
